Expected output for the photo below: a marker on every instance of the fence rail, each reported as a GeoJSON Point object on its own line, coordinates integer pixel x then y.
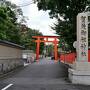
{"type": "Point", "coordinates": [71, 57]}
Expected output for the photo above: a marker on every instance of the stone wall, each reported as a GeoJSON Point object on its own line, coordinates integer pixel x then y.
{"type": "Point", "coordinates": [10, 57]}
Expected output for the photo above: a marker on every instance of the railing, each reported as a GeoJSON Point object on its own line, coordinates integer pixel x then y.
{"type": "Point", "coordinates": [71, 57]}
{"type": "Point", "coordinates": [68, 58]}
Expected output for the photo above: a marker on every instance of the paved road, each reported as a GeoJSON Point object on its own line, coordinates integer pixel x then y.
{"type": "Point", "coordinates": [44, 75]}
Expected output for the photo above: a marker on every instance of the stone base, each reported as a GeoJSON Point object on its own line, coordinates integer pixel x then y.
{"type": "Point", "coordinates": [81, 66]}
{"type": "Point", "coordinates": [79, 77]}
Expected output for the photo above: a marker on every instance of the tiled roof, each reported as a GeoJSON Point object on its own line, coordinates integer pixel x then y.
{"type": "Point", "coordinates": [10, 44]}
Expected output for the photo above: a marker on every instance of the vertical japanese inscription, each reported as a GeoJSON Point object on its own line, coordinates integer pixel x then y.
{"type": "Point", "coordinates": [83, 43]}
{"type": "Point", "coordinates": [82, 36]}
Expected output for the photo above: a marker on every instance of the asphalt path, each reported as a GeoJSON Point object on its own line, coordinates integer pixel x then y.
{"type": "Point", "coordinates": [43, 75]}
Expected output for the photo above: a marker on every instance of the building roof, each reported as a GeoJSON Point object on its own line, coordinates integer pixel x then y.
{"type": "Point", "coordinates": [10, 44]}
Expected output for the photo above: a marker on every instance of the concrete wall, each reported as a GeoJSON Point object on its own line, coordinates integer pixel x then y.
{"type": "Point", "coordinates": [10, 58]}
{"type": "Point", "coordinates": [9, 52]}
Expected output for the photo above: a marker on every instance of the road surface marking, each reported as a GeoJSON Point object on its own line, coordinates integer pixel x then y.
{"type": "Point", "coordinates": [7, 87]}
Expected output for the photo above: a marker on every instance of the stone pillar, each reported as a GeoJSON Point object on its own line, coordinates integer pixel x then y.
{"type": "Point", "coordinates": [80, 72]}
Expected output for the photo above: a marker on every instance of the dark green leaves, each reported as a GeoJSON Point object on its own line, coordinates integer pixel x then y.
{"type": "Point", "coordinates": [68, 9]}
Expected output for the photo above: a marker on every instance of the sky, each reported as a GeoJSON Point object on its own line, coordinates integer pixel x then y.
{"type": "Point", "coordinates": [36, 19]}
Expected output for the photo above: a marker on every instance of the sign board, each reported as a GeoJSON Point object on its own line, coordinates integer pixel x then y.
{"type": "Point", "coordinates": [82, 36]}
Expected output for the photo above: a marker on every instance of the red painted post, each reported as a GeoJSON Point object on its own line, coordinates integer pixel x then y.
{"type": "Point", "coordinates": [37, 49]}
{"type": "Point", "coordinates": [55, 49]}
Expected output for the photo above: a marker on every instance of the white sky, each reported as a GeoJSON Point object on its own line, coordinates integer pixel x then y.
{"type": "Point", "coordinates": [37, 19]}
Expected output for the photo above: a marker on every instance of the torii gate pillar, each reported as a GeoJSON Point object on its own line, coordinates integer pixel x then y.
{"type": "Point", "coordinates": [37, 48]}
{"type": "Point", "coordinates": [55, 49]}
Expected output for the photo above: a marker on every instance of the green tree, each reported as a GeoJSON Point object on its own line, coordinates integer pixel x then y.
{"type": "Point", "coordinates": [68, 10]}
{"type": "Point", "coordinates": [9, 28]}
{"type": "Point", "coordinates": [28, 41]}
{"type": "Point", "coordinates": [49, 49]}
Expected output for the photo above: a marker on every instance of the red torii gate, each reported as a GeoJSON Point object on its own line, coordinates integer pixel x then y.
{"type": "Point", "coordinates": [45, 39]}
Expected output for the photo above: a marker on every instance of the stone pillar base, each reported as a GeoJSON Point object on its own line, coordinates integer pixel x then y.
{"type": "Point", "coordinates": [80, 73]}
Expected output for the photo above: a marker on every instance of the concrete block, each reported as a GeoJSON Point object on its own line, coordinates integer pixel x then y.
{"type": "Point", "coordinates": [82, 66]}
{"type": "Point", "coordinates": [79, 77]}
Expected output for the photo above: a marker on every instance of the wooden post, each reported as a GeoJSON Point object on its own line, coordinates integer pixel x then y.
{"type": "Point", "coordinates": [55, 49]}
{"type": "Point", "coordinates": [37, 49]}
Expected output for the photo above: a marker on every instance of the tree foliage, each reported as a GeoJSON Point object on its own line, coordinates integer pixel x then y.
{"type": "Point", "coordinates": [9, 29]}
{"type": "Point", "coordinates": [49, 50]}
{"type": "Point", "coordinates": [68, 10]}
{"type": "Point", "coordinates": [28, 41]}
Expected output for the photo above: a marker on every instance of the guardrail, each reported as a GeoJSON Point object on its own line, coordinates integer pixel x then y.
{"type": "Point", "coordinates": [71, 57]}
